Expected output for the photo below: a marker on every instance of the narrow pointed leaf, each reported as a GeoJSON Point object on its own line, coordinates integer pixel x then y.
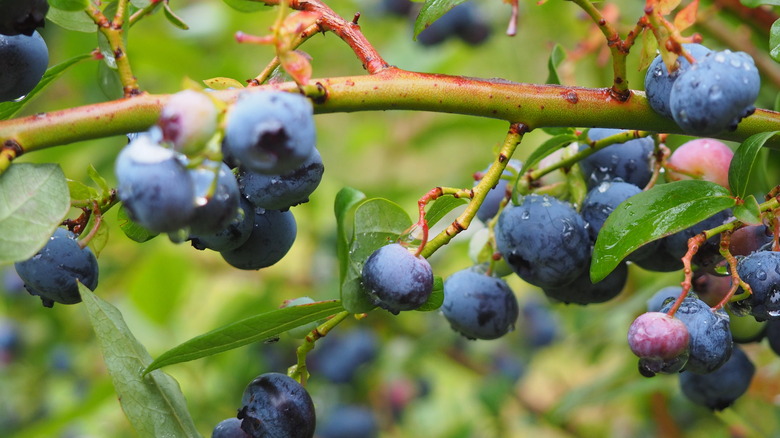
{"type": "Point", "coordinates": [131, 229]}
{"type": "Point", "coordinates": [441, 207]}
{"type": "Point", "coordinates": [548, 147]}
{"type": "Point", "coordinates": [153, 403]}
{"type": "Point", "coordinates": [173, 18]}
{"type": "Point", "coordinates": [658, 212]}
{"type": "Point", "coordinates": [431, 11]}
{"type": "Point", "coordinates": [253, 329]}
{"type": "Point", "coordinates": [745, 162]}
{"type": "Point", "coordinates": [556, 58]}
{"type": "Point", "coordinates": [34, 199]}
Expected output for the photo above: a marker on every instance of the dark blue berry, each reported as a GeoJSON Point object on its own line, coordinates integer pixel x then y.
{"type": "Point", "coordinates": [233, 235]}
{"type": "Point", "coordinates": [53, 272]}
{"type": "Point", "coordinates": [479, 306]}
{"type": "Point", "coordinates": [630, 161]}
{"type": "Point", "coordinates": [229, 428]}
{"type": "Point", "coordinates": [544, 240]}
{"type": "Point", "coordinates": [463, 21]}
{"type": "Point", "coordinates": [708, 253]}
{"type": "Point", "coordinates": [602, 200]}
{"type": "Point", "coordinates": [773, 335]}
{"type": "Point", "coordinates": [663, 297]}
{"type": "Point", "coordinates": [272, 236]}
{"type": "Point", "coordinates": [582, 291]}
{"type": "Point", "coordinates": [538, 326]}
{"type": "Point", "coordinates": [722, 387]}
{"type": "Point", "coordinates": [22, 16]}
{"type": "Point", "coordinates": [23, 61]}
{"type": "Point", "coordinates": [279, 192]}
{"type": "Point", "coordinates": [715, 93]}
{"type": "Point", "coordinates": [349, 422]}
{"type": "Point", "coordinates": [494, 196]}
{"type": "Point", "coordinates": [658, 80]}
{"type": "Point", "coordinates": [216, 204]}
{"type": "Point", "coordinates": [339, 356]}
{"type": "Point", "coordinates": [761, 270]}
{"type": "Point", "coordinates": [276, 406]}
{"type": "Point", "coordinates": [396, 279]}
{"type": "Point", "coordinates": [270, 131]}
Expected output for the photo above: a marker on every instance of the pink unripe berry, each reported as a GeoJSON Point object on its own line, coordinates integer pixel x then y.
{"type": "Point", "coordinates": [658, 335]}
{"type": "Point", "coordinates": [188, 120]}
{"type": "Point", "coordinates": [704, 158]}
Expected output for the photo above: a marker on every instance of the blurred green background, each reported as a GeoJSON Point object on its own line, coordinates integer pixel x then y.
{"type": "Point", "coordinates": [585, 384]}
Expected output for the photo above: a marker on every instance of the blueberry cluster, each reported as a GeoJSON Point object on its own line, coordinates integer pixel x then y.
{"type": "Point", "coordinates": [23, 61]}
{"type": "Point", "coordinates": [462, 21]}
{"type": "Point", "coordinates": [168, 184]}
{"type": "Point", "coordinates": [707, 97]}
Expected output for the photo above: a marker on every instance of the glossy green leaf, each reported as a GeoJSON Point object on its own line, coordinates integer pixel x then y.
{"type": "Point", "coordinates": [246, 5]}
{"type": "Point", "coordinates": [10, 109]}
{"type": "Point", "coordinates": [34, 199]}
{"type": "Point", "coordinates": [431, 11]}
{"type": "Point", "coordinates": [556, 58]}
{"type": "Point", "coordinates": [440, 207]}
{"type": "Point", "coordinates": [153, 403]}
{"type": "Point", "coordinates": [131, 229]}
{"type": "Point", "coordinates": [774, 41]}
{"type": "Point", "coordinates": [658, 212]}
{"type": "Point", "coordinates": [69, 5]}
{"type": "Point", "coordinates": [548, 147]}
{"type": "Point", "coordinates": [173, 18]}
{"type": "Point", "coordinates": [377, 222]}
{"type": "Point", "coordinates": [745, 162]}
{"type": "Point", "coordinates": [346, 199]}
{"type": "Point", "coordinates": [246, 331]}
{"type": "Point", "coordinates": [748, 212]}
{"type": "Point", "coordinates": [437, 296]}
{"type": "Point", "coordinates": [77, 21]}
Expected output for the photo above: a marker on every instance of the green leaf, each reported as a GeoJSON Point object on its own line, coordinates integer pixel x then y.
{"type": "Point", "coordinates": [109, 82]}
{"type": "Point", "coordinates": [441, 207]}
{"type": "Point", "coordinates": [377, 222]}
{"type": "Point", "coordinates": [548, 147]}
{"type": "Point", "coordinates": [221, 83]}
{"type": "Point", "coordinates": [745, 162]}
{"type": "Point", "coordinates": [140, 4]}
{"type": "Point", "coordinates": [748, 212]}
{"type": "Point", "coordinates": [774, 41]}
{"type": "Point", "coordinates": [34, 199]}
{"type": "Point", "coordinates": [77, 21]}
{"type": "Point", "coordinates": [69, 5]}
{"type": "Point", "coordinates": [98, 180]}
{"type": "Point", "coordinates": [10, 109]}
{"type": "Point", "coordinates": [153, 403]}
{"type": "Point", "coordinates": [173, 18]}
{"type": "Point", "coordinates": [99, 239]}
{"type": "Point", "coordinates": [246, 5]}
{"type": "Point", "coordinates": [431, 11]}
{"type": "Point", "coordinates": [346, 199]}
{"type": "Point", "coordinates": [131, 229]}
{"type": "Point", "coordinates": [437, 296]}
{"type": "Point", "coordinates": [81, 192]}
{"type": "Point", "coordinates": [556, 57]}
{"type": "Point", "coordinates": [246, 331]}
{"type": "Point", "coordinates": [658, 212]}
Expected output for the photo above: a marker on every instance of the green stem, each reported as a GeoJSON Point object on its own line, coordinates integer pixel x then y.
{"type": "Point", "coordinates": [299, 371]}
{"type": "Point", "coordinates": [141, 13]}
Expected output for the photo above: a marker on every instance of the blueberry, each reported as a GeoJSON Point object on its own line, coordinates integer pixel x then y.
{"type": "Point", "coordinates": [602, 200]}
{"type": "Point", "coordinates": [761, 270]}
{"type": "Point", "coordinates": [233, 235]}
{"type": "Point", "coordinates": [710, 342]}
{"type": "Point", "coordinates": [276, 406]}
{"type": "Point", "coordinates": [279, 192]}
{"type": "Point", "coordinates": [272, 237]}
{"type": "Point", "coordinates": [188, 120]}
{"type": "Point", "coordinates": [217, 201]}
{"type": "Point", "coordinates": [229, 428]}
{"type": "Point", "coordinates": [658, 80]}
{"type": "Point", "coordinates": [22, 16]}
{"type": "Point", "coordinates": [339, 356]}
{"type": "Point", "coordinates": [462, 21]}
{"type": "Point", "coordinates": [722, 387]}
{"type": "Point", "coordinates": [657, 258]}
{"type": "Point", "coordinates": [715, 93]}
{"type": "Point", "coordinates": [538, 326]}
{"type": "Point", "coordinates": [401, 8]}
{"type": "Point", "coordinates": [479, 306]}
{"type": "Point", "coordinates": [663, 297]}
{"type": "Point", "coordinates": [396, 279]}
{"type": "Point", "coordinates": [773, 335]}
{"type": "Point", "coordinates": [23, 61]}
{"type": "Point", "coordinates": [630, 161]}
{"type": "Point", "coordinates": [494, 196]}
{"type": "Point", "coordinates": [708, 253]}
{"type": "Point", "coordinates": [154, 186]}
{"type": "Point", "coordinates": [544, 240]}
{"type": "Point", "coordinates": [349, 421]}
{"type": "Point", "coordinates": [582, 291]}
{"type": "Point", "coordinates": [270, 132]}
{"type": "Point", "coordinates": [53, 271]}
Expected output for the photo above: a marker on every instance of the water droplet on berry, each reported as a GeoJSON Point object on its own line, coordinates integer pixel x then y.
{"type": "Point", "coordinates": [761, 275]}
{"type": "Point", "coordinates": [720, 58]}
{"type": "Point", "coordinates": [736, 63]}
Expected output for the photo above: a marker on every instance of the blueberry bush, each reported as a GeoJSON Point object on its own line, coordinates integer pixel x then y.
{"type": "Point", "coordinates": [279, 200]}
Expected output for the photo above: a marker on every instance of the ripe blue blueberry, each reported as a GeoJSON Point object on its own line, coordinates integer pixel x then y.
{"type": "Point", "coordinates": [479, 306]}
{"type": "Point", "coordinates": [272, 236]}
{"type": "Point", "coordinates": [349, 421]}
{"type": "Point", "coordinates": [396, 279]}
{"type": "Point", "coordinates": [339, 356]}
{"type": "Point", "coordinates": [722, 387]}
{"type": "Point", "coordinates": [710, 342]}
{"type": "Point", "coordinates": [280, 192]}
{"type": "Point", "coordinates": [233, 235]}
{"type": "Point", "coordinates": [22, 17]}
{"type": "Point", "coordinates": [270, 132]}
{"type": "Point", "coordinates": [544, 240]}
{"type": "Point", "coordinates": [463, 21]}
{"type": "Point", "coordinates": [154, 185]}
{"type": "Point", "coordinates": [583, 291]}
{"type": "Point", "coordinates": [761, 270]}
{"type": "Point", "coordinates": [602, 200]}
{"type": "Point", "coordinates": [53, 271]}
{"type": "Point", "coordinates": [276, 406]}
{"type": "Point", "coordinates": [663, 297]}
{"type": "Point", "coordinates": [23, 61]}
{"type": "Point", "coordinates": [658, 80]}
{"type": "Point", "coordinates": [493, 199]}
{"type": "Point", "coordinates": [216, 197]}
{"type": "Point", "coordinates": [708, 253]}
{"type": "Point", "coordinates": [773, 335]}
{"type": "Point", "coordinates": [229, 428]}
{"type": "Point", "coordinates": [630, 161]}
{"type": "Point", "coordinates": [715, 93]}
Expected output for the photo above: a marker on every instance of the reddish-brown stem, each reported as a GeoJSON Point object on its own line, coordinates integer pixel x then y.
{"type": "Point", "coordinates": [661, 155]}
{"type": "Point", "coordinates": [511, 28]}
{"type": "Point", "coordinates": [98, 215]}
{"type": "Point", "coordinates": [736, 282]}
{"type": "Point", "coordinates": [693, 246]}
{"type": "Point", "coordinates": [432, 195]}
